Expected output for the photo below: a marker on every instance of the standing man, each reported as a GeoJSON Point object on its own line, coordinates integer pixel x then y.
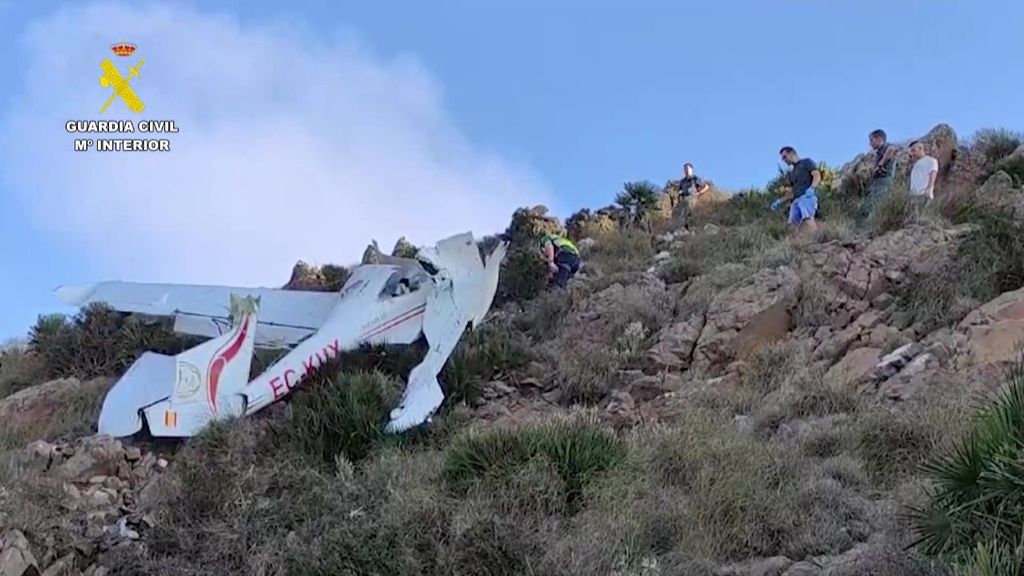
{"type": "Point", "coordinates": [885, 160]}
{"type": "Point", "coordinates": [924, 173]}
{"type": "Point", "coordinates": [802, 188]}
{"type": "Point", "coordinates": [690, 187]}
{"type": "Point", "coordinates": [561, 256]}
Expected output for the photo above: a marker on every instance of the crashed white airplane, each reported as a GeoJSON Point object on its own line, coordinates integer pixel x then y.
{"type": "Point", "coordinates": [438, 294]}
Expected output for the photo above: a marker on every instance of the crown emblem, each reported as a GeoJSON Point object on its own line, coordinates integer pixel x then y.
{"type": "Point", "coordinates": [123, 49]}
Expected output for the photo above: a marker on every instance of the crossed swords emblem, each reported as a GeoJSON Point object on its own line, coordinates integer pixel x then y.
{"type": "Point", "coordinates": [111, 78]}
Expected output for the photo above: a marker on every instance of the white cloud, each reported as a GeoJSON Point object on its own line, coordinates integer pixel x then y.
{"type": "Point", "coordinates": [291, 146]}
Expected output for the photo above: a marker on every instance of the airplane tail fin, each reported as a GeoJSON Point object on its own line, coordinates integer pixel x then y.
{"type": "Point", "coordinates": [181, 394]}
{"type": "Point", "coordinates": [492, 267]}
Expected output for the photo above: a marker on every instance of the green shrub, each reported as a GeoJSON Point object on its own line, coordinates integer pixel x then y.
{"type": "Point", "coordinates": [893, 212]}
{"type": "Point", "coordinates": [975, 513]}
{"type": "Point", "coordinates": [1014, 167]}
{"type": "Point", "coordinates": [995, 144]}
{"type": "Point", "coordinates": [578, 449]}
{"type": "Point", "coordinates": [893, 444]}
{"type": "Point", "coordinates": [744, 207]}
{"type": "Point", "coordinates": [680, 269]}
{"type": "Point", "coordinates": [394, 360]}
{"type": "Point", "coordinates": [491, 353]}
{"type": "Point", "coordinates": [988, 261]}
{"type": "Point", "coordinates": [99, 341]}
{"type": "Point", "coordinates": [639, 200]}
{"type": "Point", "coordinates": [523, 276]}
{"type": "Point", "coordinates": [340, 413]}
{"type": "Point", "coordinates": [836, 206]}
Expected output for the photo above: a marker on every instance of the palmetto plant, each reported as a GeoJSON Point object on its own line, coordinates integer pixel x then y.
{"type": "Point", "coordinates": [975, 516]}
{"type": "Point", "coordinates": [639, 200]}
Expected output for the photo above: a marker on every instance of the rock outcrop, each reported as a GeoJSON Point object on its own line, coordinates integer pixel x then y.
{"type": "Point", "coordinates": [994, 333]}
{"type": "Point", "coordinates": [328, 278]}
{"type": "Point", "coordinates": [33, 407]}
{"type": "Point", "coordinates": [941, 142]}
{"type": "Point", "coordinates": [108, 491]}
{"type": "Point", "coordinates": [529, 223]}
{"type": "Point", "coordinates": [744, 318]}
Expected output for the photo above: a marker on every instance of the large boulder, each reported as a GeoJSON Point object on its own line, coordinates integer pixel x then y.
{"type": "Point", "coordinates": [32, 408]}
{"type": "Point", "coordinates": [16, 558]}
{"type": "Point", "coordinates": [999, 191]}
{"type": "Point", "coordinates": [327, 278]}
{"type": "Point", "coordinates": [994, 332]}
{"type": "Point", "coordinates": [585, 224]}
{"type": "Point", "coordinates": [404, 249]}
{"type": "Point", "coordinates": [854, 367]}
{"type": "Point", "coordinates": [601, 318]}
{"type": "Point", "coordinates": [942, 145]}
{"type": "Point", "coordinates": [751, 314]}
{"type": "Point", "coordinates": [864, 270]}
{"type": "Point", "coordinates": [675, 344]}
{"type": "Point", "coordinates": [90, 457]}
{"type": "Point", "coordinates": [530, 223]}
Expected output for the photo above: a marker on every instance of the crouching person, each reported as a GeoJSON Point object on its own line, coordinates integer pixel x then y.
{"type": "Point", "coordinates": [562, 257]}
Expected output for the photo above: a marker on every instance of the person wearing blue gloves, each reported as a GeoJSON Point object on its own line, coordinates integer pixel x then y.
{"type": "Point", "coordinates": [801, 187]}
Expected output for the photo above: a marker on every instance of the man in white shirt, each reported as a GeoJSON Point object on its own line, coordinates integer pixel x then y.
{"type": "Point", "coordinates": [924, 172]}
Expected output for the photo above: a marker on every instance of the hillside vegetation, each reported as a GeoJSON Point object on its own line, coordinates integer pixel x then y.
{"type": "Point", "coordinates": [726, 399]}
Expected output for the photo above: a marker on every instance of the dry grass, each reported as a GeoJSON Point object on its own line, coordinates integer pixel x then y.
{"type": "Point", "coordinates": [20, 369]}
{"type": "Point", "coordinates": [988, 262]}
{"type": "Point", "coordinates": [624, 251]}
{"type": "Point", "coordinates": [78, 412]}
{"type": "Point", "coordinates": [706, 251]}
{"type": "Point", "coordinates": [780, 385]}
{"type": "Point", "coordinates": [703, 492]}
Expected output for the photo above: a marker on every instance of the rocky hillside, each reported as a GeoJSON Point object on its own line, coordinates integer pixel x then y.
{"type": "Point", "coordinates": [728, 399]}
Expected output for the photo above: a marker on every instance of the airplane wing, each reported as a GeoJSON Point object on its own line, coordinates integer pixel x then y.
{"type": "Point", "coordinates": [111, 72]}
{"type": "Point", "coordinates": [286, 316]}
{"type": "Point", "coordinates": [121, 86]}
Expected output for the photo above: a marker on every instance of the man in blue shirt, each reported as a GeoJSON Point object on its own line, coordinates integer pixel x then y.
{"type": "Point", "coordinates": [802, 188]}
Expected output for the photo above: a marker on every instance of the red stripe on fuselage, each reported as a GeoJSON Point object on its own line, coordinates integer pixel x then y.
{"type": "Point", "coordinates": [221, 360]}
{"type": "Point", "coordinates": [405, 316]}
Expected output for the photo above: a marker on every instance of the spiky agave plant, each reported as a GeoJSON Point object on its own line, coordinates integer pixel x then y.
{"type": "Point", "coordinates": [975, 516]}
{"type": "Point", "coordinates": [639, 200]}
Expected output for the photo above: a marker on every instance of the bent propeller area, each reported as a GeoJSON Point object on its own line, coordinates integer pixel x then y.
{"type": "Point", "coordinates": [447, 288]}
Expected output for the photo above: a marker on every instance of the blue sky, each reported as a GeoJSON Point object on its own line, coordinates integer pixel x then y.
{"type": "Point", "coordinates": [561, 105]}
